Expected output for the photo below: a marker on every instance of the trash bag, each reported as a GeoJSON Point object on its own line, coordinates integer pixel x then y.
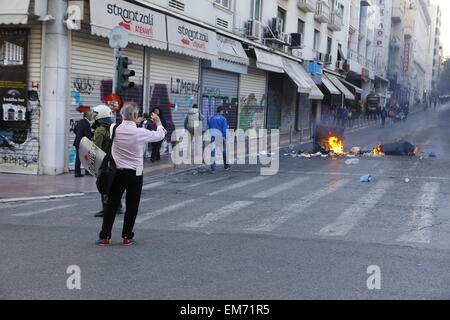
{"type": "Point", "coordinates": [399, 148]}
{"type": "Point", "coordinates": [366, 178]}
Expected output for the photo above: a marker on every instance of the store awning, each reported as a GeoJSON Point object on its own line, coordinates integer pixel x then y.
{"type": "Point", "coordinates": [191, 40]}
{"type": "Point", "coordinates": [315, 93]}
{"type": "Point", "coordinates": [381, 79]}
{"type": "Point", "coordinates": [145, 27]}
{"type": "Point", "coordinates": [294, 71]}
{"type": "Point", "coordinates": [357, 89]}
{"type": "Point", "coordinates": [329, 85]}
{"type": "Point", "coordinates": [14, 12]}
{"type": "Point", "coordinates": [348, 95]}
{"type": "Point", "coordinates": [269, 61]}
{"type": "Point", "coordinates": [231, 50]}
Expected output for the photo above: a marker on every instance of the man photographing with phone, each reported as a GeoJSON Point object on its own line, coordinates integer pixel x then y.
{"type": "Point", "coordinates": [127, 151]}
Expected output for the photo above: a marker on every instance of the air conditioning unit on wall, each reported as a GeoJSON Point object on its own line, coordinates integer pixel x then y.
{"type": "Point", "coordinates": [297, 40]}
{"type": "Point", "coordinates": [254, 29]}
{"type": "Point", "coordinates": [277, 26]}
{"type": "Point", "coordinates": [287, 39]}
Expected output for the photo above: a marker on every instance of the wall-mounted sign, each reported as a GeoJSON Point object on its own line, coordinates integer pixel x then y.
{"type": "Point", "coordinates": [406, 57]}
{"type": "Point", "coordinates": [144, 26]}
{"type": "Point", "coordinates": [192, 40]}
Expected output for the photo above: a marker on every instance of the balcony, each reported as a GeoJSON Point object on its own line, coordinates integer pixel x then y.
{"type": "Point", "coordinates": [398, 12]}
{"type": "Point", "coordinates": [336, 22]}
{"type": "Point", "coordinates": [307, 5]}
{"type": "Point", "coordinates": [322, 12]}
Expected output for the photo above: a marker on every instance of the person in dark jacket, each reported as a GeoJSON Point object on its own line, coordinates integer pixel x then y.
{"type": "Point", "coordinates": [384, 115]}
{"type": "Point", "coordinates": [103, 116]}
{"type": "Point", "coordinates": [82, 129]}
{"type": "Point", "coordinates": [156, 146]}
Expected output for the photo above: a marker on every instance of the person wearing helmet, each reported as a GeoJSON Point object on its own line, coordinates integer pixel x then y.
{"type": "Point", "coordinates": [103, 116]}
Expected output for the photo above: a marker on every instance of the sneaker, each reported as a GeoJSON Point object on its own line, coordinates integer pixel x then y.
{"type": "Point", "coordinates": [228, 168]}
{"type": "Point", "coordinates": [99, 215]}
{"type": "Point", "coordinates": [102, 242]}
{"type": "Point", "coordinates": [128, 242]}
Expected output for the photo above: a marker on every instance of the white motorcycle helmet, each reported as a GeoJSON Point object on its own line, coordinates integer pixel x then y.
{"type": "Point", "coordinates": [103, 114]}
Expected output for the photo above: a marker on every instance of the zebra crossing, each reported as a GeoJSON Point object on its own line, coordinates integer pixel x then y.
{"type": "Point", "coordinates": [250, 207]}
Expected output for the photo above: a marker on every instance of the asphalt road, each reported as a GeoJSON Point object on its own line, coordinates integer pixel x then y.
{"type": "Point", "coordinates": [309, 232]}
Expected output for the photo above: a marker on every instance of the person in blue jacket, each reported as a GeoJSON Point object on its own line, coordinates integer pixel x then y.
{"type": "Point", "coordinates": [219, 126]}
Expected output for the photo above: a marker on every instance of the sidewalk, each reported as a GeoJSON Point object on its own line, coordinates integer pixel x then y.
{"type": "Point", "coordinates": [16, 186]}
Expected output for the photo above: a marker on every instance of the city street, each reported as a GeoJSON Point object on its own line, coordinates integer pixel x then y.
{"type": "Point", "coordinates": [309, 232]}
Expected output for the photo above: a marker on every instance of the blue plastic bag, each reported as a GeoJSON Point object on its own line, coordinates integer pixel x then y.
{"type": "Point", "coordinates": [432, 154]}
{"type": "Point", "coordinates": [366, 178]}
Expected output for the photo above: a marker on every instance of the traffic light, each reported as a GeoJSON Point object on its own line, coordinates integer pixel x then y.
{"type": "Point", "coordinates": [124, 74]}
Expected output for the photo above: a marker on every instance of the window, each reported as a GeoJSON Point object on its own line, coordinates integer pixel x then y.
{"type": "Point", "coordinates": [224, 3]}
{"type": "Point", "coordinates": [256, 9]}
{"type": "Point", "coordinates": [316, 40]}
{"type": "Point", "coordinates": [301, 26]}
{"type": "Point", "coordinates": [329, 44]}
{"type": "Point", "coordinates": [282, 15]}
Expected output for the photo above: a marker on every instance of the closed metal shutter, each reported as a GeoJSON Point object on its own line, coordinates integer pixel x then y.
{"type": "Point", "coordinates": [34, 57]}
{"type": "Point", "coordinates": [252, 99]}
{"type": "Point", "coordinates": [92, 73]}
{"type": "Point", "coordinates": [220, 89]}
{"type": "Point", "coordinates": [25, 156]}
{"type": "Point", "coordinates": [174, 86]}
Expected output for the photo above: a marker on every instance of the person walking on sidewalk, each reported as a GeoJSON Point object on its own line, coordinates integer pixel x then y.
{"type": "Point", "coordinates": [219, 132]}
{"type": "Point", "coordinates": [156, 146]}
{"type": "Point", "coordinates": [103, 116]}
{"type": "Point", "coordinates": [384, 115]}
{"type": "Point", "coordinates": [194, 123]}
{"type": "Point", "coordinates": [194, 120]}
{"type": "Point", "coordinates": [127, 152]}
{"type": "Point", "coordinates": [82, 129]}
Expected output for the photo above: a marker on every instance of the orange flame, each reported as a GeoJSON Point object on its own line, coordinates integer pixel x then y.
{"type": "Point", "coordinates": [378, 151]}
{"type": "Point", "coordinates": [336, 145]}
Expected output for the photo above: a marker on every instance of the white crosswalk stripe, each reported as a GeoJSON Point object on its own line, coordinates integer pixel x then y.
{"type": "Point", "coordinates": [207, 181]}
{"type": "Point", "coordinates": [280, 188]}
{"type": "Point", "coordinates": [294, 209]}
{"type": "Point", "coordinates": [33, 213]}
{"type": "Point", "coordinates": [218, 214]}
{"type": "Point", "coordinates": [156, 213]}
{"type": "Point", "coordinates": [422, 218]}
{"type": "Point", "coordinates": [350, 217]}
{"type": "Point", "coordinates": [238, 185]}
{"type": "Point", "coordinates": [153, 185]}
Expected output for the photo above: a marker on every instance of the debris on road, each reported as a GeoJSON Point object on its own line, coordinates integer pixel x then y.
{"type": "Point", "coordinates": [399, 148]}
{"type": "Point", "coordinates": [432, 154]}
{"type": "Point", "coordinates": [352, 161]}
{"type": "Point", "coordinates": [305, 155]}
{"type": "Point", "coordinates": [407, 180]}
{"type": "Point", "coordinates": [366, 178]}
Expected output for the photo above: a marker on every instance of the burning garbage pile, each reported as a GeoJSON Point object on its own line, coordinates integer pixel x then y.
{"type": "Point", "coordinates": [329, 142]}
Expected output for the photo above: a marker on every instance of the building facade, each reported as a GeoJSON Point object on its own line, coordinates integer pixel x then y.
{"type": "Point", "coordinates": [275, 64]}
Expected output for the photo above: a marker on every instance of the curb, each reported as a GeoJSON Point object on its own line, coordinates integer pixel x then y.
{"type": "Point", "coordinates": [51, 197]}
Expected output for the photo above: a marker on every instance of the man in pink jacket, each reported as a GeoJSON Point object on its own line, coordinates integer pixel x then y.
{"type": "Point", "coordinates": [128, 153]}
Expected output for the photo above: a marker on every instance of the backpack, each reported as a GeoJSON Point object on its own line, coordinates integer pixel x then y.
{"type": "Point", "coordinates": [108, 168]}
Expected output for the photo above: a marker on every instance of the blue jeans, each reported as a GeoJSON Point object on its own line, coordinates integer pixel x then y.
{"type": "Point", "coordinates": [213, 154]}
